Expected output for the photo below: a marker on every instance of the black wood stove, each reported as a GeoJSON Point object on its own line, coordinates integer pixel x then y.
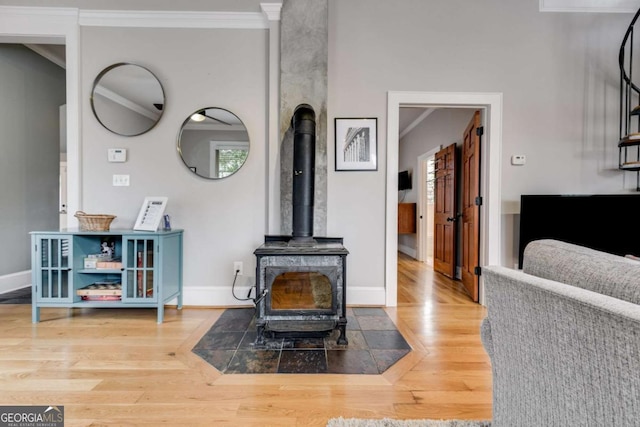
{"type": "Point", "coordinates": [301, 279]}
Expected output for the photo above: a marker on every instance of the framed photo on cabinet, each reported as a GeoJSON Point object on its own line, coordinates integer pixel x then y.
{"type": "Point", "coordinates": [356, 144]}
{"type": "Point", "coordinates": [151, 213]}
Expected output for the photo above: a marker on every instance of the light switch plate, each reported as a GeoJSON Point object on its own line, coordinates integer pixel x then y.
{"type": "Point", "coordinates": [120, 180]}
{"type": "Point", "coordinates": [117, 155]}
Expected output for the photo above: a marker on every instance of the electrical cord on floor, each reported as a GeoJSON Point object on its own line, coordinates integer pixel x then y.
{"type": "Point", "coordinates": [233, 292]}
{"type": "Point", "coordinates": [264, 294]}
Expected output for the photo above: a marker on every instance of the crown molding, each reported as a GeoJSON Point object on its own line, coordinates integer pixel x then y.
{"type": "Point", "coordinates": [37, 21]}
{"type": "Point", "coordinates": [64, 12]}
{"type": "Point", "coordinates": [144, 18]}
{"type": "Point", "coordinates": [595, 6]}
{"type": "Point", "coordinates": [271, 10]}
{"type": "Point", "coordinates": [172, 19]}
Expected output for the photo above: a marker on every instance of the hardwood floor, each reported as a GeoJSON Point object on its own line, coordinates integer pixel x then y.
{"type": "Point", "coordinates": [118, 367]}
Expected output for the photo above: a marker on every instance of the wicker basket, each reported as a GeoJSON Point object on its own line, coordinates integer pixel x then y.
{"type": "Point", "coordinates": [94, 222]}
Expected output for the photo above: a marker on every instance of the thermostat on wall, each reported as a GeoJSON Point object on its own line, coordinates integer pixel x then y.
{"type": "Point", "coordinates": [117, 154]}
{"type": "Point", "coordinates": [518, 159]}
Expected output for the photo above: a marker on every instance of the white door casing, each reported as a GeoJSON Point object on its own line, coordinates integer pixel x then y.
{"type": "Point", "coordinates": [490, 241]}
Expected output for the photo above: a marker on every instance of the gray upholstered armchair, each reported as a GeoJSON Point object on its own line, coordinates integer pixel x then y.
{"type": "Point", "coordinates": [564, 338]}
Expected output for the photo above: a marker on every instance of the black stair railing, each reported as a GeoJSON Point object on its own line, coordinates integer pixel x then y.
{"type": "Point", "coordinates": [629, 138]}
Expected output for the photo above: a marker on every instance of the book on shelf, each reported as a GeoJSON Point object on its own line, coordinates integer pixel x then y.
{"type": "Point", "coordinates": [91, 260]}
{"type": "Point", "coordinates": [630, 165]}
{"type": "Point", "coordinates": [101, 288]}
{"type": "Point", "coordinates": [99, 256]}
{"type": "Point", "coordinates": [114, 264]}
{"type": "Point", "coordinates": [632, 137]}
{"type": "Point", "coordinates": [101, 297]}
{"type": "Point", "coordinates": [140, 282]}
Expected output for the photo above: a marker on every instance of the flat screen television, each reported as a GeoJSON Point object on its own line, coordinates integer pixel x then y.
{"type": "Point", "coordinates": [404, 181]}
{"type": "Point", "coordinates": [605, 222]}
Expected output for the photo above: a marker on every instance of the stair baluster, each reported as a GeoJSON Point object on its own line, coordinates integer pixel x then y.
{"type": "Point", "coordinates": [629, 137]}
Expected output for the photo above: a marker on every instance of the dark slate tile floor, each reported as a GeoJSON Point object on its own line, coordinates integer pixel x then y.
{"type": "Point", "coordinates": [374, 345]}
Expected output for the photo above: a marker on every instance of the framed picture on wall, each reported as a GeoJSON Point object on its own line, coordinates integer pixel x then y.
{"type": "Point", "coordinates": [356, 144]}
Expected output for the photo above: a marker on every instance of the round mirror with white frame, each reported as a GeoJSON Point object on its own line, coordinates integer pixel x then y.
{"type": "Point", "coordinates": [213, 143]}
{"type": "Point", "coordinates": [127, 99]}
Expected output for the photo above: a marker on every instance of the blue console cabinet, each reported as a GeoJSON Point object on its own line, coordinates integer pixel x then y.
{"type": "Point", "coordinates": [150, 272]}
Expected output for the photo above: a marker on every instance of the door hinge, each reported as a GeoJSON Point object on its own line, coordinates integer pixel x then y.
{"type": "Point", "coordinates": [480, 131]}
{"type": "Point", "coordinates": [477, 271]}
{"type": "Point", "coordinates": [478, 201]}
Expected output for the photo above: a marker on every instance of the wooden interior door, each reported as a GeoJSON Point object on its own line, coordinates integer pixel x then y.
{"type": "Point", "coordinates": [471, 202]}
{"type": "Point", "coordinates": [444, 236]}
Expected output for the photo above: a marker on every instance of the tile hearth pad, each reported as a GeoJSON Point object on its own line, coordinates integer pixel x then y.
{"type": "Point", "coordinates": [19, 296]}
{"type": "Point", "coordinates": [374, 346]}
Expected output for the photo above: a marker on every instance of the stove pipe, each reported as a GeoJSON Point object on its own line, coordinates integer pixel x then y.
{"type": "Point", "coordinates": [304, 160]}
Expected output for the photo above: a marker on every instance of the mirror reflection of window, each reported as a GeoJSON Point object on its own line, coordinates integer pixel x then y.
{"type": "Point", "coordinates": [213, 143]}
{"type": "Point", "coordinates": [229, 157]}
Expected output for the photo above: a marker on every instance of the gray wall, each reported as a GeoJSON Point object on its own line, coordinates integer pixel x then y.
{"type": "Point", "coordinates": [556, 71]}
{"type": "Point", "coordinates": [32, 91]}
{"type": "Point", "coordinates": [224, 220]}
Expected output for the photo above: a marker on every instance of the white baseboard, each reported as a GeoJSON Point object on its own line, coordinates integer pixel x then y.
{"type": "Point", "coordinates": [13, 281]}
{"type": "Point", "coordinates": [407, 250]}
{"type": "Point", "coordinates": [200, 296]}
{"type": "Point", "coordinates": [367, 296]}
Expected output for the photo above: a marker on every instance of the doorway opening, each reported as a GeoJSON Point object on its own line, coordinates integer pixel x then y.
{"type": "Point", "coordinates": [42, 26]}
{"type": "Point", "coordinates": [36, 97]}
{"type": "Point", "coordinates": [491, 103]}
{"type": "Point", "coordinates": [426, 205]}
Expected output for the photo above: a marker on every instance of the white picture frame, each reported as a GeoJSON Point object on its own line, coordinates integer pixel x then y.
{"type": "Point", "coordinates": [151, 213]}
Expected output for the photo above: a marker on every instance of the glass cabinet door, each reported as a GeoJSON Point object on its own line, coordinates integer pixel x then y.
{"type": "Point", "coordinates": [139, 260]}
{"type": "Point", "coordinates": [54, 280]}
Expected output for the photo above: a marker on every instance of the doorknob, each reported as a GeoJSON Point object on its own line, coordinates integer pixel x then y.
{"type": "Point", "coordinates": [454, 218]}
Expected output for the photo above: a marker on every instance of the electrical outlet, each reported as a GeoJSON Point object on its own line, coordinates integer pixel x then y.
{"type": "Point", "coordinates": [237, 266]}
